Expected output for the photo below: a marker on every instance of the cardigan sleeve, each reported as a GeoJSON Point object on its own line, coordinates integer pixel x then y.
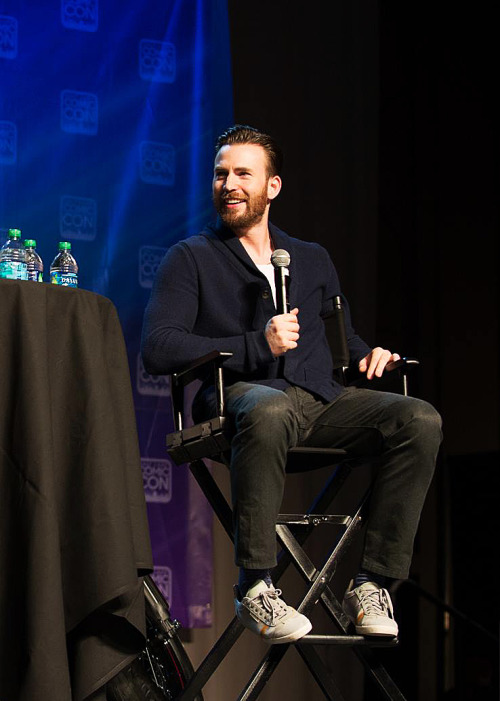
{"type": "Point", "coordinates": [169, 340]}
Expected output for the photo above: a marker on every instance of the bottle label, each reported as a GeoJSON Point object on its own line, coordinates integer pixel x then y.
{"type": "Point", "coordinates": [35, 275]}
{"type": "Point", "coordinates": [67, 279]}
{"type": "Point", "coordinates": [13, 270]}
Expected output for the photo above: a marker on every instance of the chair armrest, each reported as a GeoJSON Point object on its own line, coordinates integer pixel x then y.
{"type": "Point", "coordinates": [403, 364]}
{"type": "Point", "coordinates": [394, 379]}
{"type": "Point", "coordinates": [197, 369]}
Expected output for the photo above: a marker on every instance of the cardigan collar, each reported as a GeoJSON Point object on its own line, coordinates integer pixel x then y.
{"type": "Point", "coordinates": [223, 238]}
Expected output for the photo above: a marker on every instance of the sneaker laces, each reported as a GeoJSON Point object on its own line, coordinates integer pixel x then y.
{"type": "Point", "coordinates": [376, 602]}
{"type": "Point", "coordinates": [271, 602]}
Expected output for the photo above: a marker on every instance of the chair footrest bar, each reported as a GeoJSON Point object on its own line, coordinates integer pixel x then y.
{"type": "Point", "coordinates": [314, 519]}
{"type": "Point", "coordinates": [348, 640]}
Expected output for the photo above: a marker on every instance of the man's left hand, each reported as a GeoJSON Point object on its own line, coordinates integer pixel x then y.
{"type": "Point", "coordinates": [374, 363]}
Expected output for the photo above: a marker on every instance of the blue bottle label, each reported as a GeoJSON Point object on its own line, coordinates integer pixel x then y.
{"type": "Point", "coordinates": [13, 270]}
{"type": "Point", "coordinates": [66, 279]}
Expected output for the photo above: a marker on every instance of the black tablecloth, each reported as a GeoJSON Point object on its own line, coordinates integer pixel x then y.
{"type": "Point", "coordinates": [74, 538]}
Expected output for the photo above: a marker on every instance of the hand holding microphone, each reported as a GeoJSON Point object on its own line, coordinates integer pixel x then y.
{"type": "Point", "coordinates": [282, 331]}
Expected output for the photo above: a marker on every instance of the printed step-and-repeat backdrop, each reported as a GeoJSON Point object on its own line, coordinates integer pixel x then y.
{"type": "Point", "coordinates": [108, 116]}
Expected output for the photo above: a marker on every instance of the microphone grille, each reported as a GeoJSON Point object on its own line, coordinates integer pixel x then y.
{"type": "Point", "coordinates": [280, 258]}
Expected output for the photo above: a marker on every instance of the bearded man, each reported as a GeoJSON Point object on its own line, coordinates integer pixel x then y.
{"type": "Point", "coordinates": [216, 291]}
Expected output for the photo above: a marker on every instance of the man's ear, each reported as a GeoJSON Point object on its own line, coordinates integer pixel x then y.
{"type": "Point", "coordinates": [273, 187]}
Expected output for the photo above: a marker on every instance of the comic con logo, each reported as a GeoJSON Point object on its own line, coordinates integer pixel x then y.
{"type": "Point", "coordinates": [150, 385]}
{"type": "Point", "coordinates": [78, 218]}
{"type": "Point", "coordinates": [157, 479]}
{"type": "Point", "coordinates": [157, 163]}
{"type": "Point", "coordinates": [8, 37]}
{"type": "Point", "coordinates": [80, 14]}
{"type": "Point", "coordinates": [79, 112]}
{"type": "Point", "coordinates": [162, 577]}
{"type": "Point", "coordinates": [157, 61]}
{"type": "Point", "coordinates": [150, 258]}
{"type": "Point", "coordinates": [8, 143]}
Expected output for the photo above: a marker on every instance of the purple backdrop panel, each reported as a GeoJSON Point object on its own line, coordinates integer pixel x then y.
{"type": "Point", "coordinates": [180, 518]}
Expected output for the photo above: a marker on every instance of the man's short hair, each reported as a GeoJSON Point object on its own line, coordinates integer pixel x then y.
{"type": "Point", "coordinates": [244, 134]}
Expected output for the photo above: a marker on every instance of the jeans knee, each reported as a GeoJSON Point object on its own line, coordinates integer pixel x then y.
{"type": "Point", "coordinates": [428, 419]}
{"type": "Point", "coordinates": [270, 418]}
{"type": "Point", "coordinates": [271, 412]}
{"type": "Point", "coordinates": [424, 423]}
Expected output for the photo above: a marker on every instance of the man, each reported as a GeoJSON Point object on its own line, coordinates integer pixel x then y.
{"type": "Point", "coordinates": [215, 291]}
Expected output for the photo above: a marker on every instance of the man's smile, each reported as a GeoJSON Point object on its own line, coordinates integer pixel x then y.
{"type": "Point", "coordinates": [232, 201]}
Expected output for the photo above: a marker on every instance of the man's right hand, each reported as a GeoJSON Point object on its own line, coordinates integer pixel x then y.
{"type": "Point", "coordinates": [282, 332]}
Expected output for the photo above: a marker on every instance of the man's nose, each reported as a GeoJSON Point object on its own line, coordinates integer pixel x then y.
{"type": "Point", "coordinates": [230, 182]}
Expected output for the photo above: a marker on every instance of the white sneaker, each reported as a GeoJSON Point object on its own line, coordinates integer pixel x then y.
{"type": "Point", "coordinates": [369, 607]}
{"type": "Point", "coordinates": [265, 614]}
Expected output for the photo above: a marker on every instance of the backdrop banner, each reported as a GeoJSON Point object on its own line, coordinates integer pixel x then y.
{"type": "Point", "coordinates": [108, 116]}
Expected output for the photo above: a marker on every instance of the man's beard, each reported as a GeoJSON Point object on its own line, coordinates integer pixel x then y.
{"type": "Point", "coordinates": [254, 209]}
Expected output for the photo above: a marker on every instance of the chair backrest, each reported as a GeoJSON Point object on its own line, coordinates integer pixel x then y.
{"type": "Point", "coordinates": [339, 347]}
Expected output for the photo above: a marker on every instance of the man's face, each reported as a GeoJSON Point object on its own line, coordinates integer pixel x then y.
{"type": "Point", "coordinates": [241, 186]}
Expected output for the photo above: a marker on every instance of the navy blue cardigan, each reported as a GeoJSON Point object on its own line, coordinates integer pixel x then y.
{"type": "Point", "coordinates": [208, 295]}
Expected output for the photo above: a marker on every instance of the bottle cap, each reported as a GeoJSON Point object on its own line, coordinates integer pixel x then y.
{"type": "Point", "coordinates": [30, 243]}
{"type": "Point", "coordinates": [15, 233]}
{"type": "Point", "coordinates": [64, 246]}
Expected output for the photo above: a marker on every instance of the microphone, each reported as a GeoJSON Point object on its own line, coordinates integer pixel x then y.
{"type": "Point", "coordinates": [281, 260]}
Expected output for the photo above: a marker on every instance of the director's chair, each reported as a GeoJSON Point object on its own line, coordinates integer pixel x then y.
{"type": "Point", "coordinates": [207, 440]}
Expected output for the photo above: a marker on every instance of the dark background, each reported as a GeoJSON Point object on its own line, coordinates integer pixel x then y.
{"type": "Point", "coordinates": [387, 116]}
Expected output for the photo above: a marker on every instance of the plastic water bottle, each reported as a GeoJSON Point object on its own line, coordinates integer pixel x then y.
{"type": "Point", "coordinates": [13, 257]}
{"type": "Point", "coordinates": [33, 261]}
{"type": "Point", "coordinates": [63, 269]}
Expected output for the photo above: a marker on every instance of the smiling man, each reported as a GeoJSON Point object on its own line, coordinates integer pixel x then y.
{"type": "Point", "coordinates": [216, 291]}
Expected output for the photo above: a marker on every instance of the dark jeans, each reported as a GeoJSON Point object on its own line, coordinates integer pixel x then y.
{"type": "Point", "coordinates": [403, 433]}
